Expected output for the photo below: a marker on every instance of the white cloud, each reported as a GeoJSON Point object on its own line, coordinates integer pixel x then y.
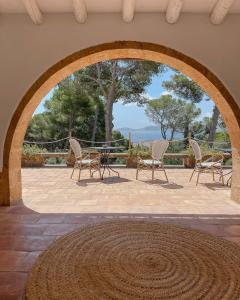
{"type": "Point", "coordinates": [131, 104]}
{"type": "Point", "coordinates": [148, 96]}
{"type": "Point", "coordinates": [207, 114]}
{"type": "Point", "coordinates": [167, 93]}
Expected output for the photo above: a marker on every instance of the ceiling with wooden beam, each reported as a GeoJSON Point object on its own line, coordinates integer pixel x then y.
{"type": "Point", "coordinates": [216, 9]}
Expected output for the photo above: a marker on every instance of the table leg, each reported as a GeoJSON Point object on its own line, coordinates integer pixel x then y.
{"type": "Point", "coordinates": [105, 164]}
{"type": "Point", "coordinates": [109, 168]}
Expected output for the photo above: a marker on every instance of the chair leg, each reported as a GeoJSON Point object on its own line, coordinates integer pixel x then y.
{"type": "Point", "coordinates": [213, 175]}
{"type": "Point", "coordinates": [153, 173]}
{"type": "Point", "coordinates": [137, 173]}
{"type": "Point", "coordinates": [90, 171]}
{"type": "Point", "coordinates": [165, 174]}
{"type": "Point", "coordinates": [229, 181]}
{"type": "Point", "coordinates": [74, 168]}
{"type": "Point", "coordinates": [72, 172]}
{"type": "Point", "coordinates": [222, 179]}
{"type": "Point", "coordinates": [100, 176]}
{"type": "Point", "coordinates": [221, 176]}
{"type": "Point", "coordinates": [198, 177]}
{"type": "Point", "coordinates": [192, 175]}
{"type": "Point", "coordinates": [79, 174]}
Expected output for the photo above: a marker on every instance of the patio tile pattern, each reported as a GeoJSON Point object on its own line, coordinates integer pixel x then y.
{"type": "Point", "coordinates": [50, 190]}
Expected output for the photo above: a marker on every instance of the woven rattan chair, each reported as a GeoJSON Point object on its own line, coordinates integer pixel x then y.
{"type": "Point", "coordinates": [212, 164]}
{"type": "Point", "coordinates": [83, 162]}
{"type": "Point", "coordinates": [156, 161]}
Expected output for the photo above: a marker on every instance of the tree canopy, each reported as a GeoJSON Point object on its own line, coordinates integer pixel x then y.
{"type": "Point", "coordinates": [172, 115]}
{"type": "Point", "coordinates": [70, 111]}
{"type": "Point", "coordinates": [187, 89]}
{"type": "Point", "coordinates": [119, 80]}
{"type": "Point", "coordinates": [82, 104]}
{"type": "Point", "coordinates": [184, 88]}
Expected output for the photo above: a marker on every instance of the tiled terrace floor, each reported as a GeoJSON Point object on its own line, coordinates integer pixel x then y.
{"type": "Point", "coordinates": [25, 233]}
{"type": "Point", "coordinates": [50, 190]}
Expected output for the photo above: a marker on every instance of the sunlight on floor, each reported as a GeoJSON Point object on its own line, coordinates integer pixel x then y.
{"type": "Point", "coordinates": [50, 190]}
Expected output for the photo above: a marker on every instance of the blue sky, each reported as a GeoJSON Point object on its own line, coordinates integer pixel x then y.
{"type": "Point", "coordinates": [133, 116]}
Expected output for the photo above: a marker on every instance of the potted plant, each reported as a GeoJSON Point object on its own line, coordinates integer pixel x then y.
{"type": "Point", "coordinates": [189, 162]}
{"type": "Point", "coordinates": [70, 160]}
{"type": "Point", "coordinates": [134, 153]}
{"type": "Point", "coordinates": [32, 156]}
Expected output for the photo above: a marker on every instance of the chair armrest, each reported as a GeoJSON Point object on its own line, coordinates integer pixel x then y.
{"type": "Point", "coordinates": [215, 158]}
{"type": "Point", "coordinates": [97, 158]}
{"type": "Point", "coordinates": [87, 156]}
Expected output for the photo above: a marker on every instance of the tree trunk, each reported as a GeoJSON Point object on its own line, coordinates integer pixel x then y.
{"type": "Point", "coordinates": [109, 104]}
{"type": "Point", "coordinates": [163, 133]}
{"type": "Point", "coordinates": [213, 127]}
{"type": "Point", "coordinates": [108, 120]}
{"type": "Point", "coordinates": [172, 134]}
{"type": "Point", "coordinates": [70, 127]}
{"type": "Point", "coordinates": [95, 124]}
{"type": "Point", "coordinates": [186, 134]}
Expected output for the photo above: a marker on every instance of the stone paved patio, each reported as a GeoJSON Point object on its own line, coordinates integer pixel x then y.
{"type": "Point", "coordinates": [50, 190]}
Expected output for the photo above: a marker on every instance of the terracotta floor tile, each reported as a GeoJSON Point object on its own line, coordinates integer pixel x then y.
{"type": "Point", "coordinates": [59, 229]}
{"type": "Point", "coordinates": [29, 260]}
{"type": "Point", "coordinates": [49, 218]}
{"type": "Point", "coordinates": [12, 284]}
{"type": "Point", "coordinates": [18, 218]}
{"type": "Point", "coordinates": [32, 243]}
{"type": "Point", "coordinates": [22, 229]}
{"type": "Point", "coordinates": [63, 205]}
{"type": "Point", "coordinates": [7, 242]}
{"type": "Point", "coordinates": [11, 260]}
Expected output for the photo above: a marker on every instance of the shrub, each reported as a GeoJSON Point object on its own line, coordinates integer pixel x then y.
{"type": "Point", "coordinates": [31, 149]}
{"type": "Point", "coordinates": [205, 150]}
{"type": "Point", "coordinates": [138, 150]}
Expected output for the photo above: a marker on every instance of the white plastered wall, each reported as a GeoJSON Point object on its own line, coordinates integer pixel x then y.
{"type": "Point", "coordinates": [27, 50]}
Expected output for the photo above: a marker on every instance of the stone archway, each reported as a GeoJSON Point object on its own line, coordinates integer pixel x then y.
{"type": "Point", "coordinates": [10, 183]}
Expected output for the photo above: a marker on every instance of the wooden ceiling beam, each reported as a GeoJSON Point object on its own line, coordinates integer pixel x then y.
{"type": "Point", "coordinates": [80, 10]}
{"type": "Point", "coordinates": [33, 11]}
{"type": "Point", "coordinates": [128, 10]}
{"type": "Point", "coordinates": [173, 11]}
{"type": "Point", "coordinates": [220, 11]}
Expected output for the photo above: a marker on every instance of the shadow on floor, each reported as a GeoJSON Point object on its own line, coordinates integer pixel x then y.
{"type": "Point", "coordinates": [164, 184]}
{"type": "Point", "coordinates": [107, 180]}
{"type": "Point", "coordinates": [216, 186]}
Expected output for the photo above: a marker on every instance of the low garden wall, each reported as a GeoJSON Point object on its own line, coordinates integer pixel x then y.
{"type": "Point", "coordinates": [38, 159]}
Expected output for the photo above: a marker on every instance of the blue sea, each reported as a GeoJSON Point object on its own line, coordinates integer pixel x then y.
{"type": "Point", "coordinates": [145, 135]}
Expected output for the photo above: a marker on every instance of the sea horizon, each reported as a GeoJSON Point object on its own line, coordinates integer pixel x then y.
{"type": "Point", "coordinates": [143, 135]}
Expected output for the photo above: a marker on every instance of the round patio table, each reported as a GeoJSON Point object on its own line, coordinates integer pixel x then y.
{"type": "Point", "coordinates": [104, 158]}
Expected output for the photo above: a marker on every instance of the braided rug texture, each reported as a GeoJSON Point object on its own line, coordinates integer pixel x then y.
{"type": "Point", "coordinates": [136, 260]}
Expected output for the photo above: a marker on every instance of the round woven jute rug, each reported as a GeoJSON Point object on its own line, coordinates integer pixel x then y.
{"type": "Point", "coordinates": [136, 260]}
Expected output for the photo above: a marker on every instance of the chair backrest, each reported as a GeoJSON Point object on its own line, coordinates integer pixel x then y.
{"type": "Point", "coordinates": [196, 149]}
{"type": "Point", "coordinates": [76, 148]}
{"type": "Point", "coordinates": [159, 148]}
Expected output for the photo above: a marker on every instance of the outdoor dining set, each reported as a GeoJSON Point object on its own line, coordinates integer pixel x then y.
{"type": "Point", "coordinates": [101, 162]}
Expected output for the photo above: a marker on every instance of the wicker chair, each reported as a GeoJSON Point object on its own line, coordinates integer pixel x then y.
{"type": "Point", "coordinates": [212, 164]}
{"type": "Point", "coordinates": [83, 162]}
{"type": "Point", "coordinates": [156, 161]}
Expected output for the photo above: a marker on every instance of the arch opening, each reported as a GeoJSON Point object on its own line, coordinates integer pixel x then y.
{"type": "Point", "coordinates": [11, 175]}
